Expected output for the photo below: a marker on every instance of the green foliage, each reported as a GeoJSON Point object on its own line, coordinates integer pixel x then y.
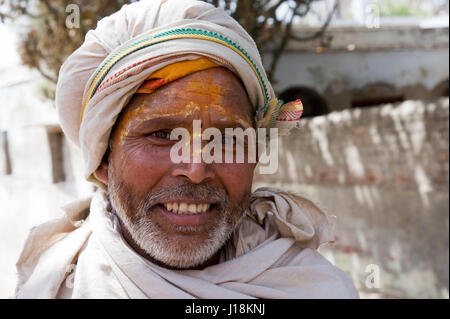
{"type": "Point", "coordinates": [397, 8]}
{"type": "Point", "coordinates": [48, 41]}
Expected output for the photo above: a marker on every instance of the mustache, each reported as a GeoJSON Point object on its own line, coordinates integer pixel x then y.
{"type": "Point", "coordinates": [200, 192]}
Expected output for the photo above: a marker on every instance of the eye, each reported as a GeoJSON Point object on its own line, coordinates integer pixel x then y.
{"type": "Point", "coordinates": [160, 134]}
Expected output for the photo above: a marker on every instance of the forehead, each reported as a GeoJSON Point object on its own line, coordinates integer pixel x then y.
{"type": "Point", "coordinates": [216, 92]}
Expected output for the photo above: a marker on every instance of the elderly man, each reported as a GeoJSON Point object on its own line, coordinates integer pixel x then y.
{"type": "Point", "coordinates": [161, 228]}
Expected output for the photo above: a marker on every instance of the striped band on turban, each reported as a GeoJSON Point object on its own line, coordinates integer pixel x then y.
{"type": "Point", "coordinates": [117, 58]}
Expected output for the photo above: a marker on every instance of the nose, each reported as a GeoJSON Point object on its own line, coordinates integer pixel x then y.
{"type": "Point", "coordinates": [196, 170]}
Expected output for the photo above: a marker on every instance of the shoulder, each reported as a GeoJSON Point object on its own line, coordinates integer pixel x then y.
{"type": "Point", "coordinates": [47, 251]}
{"type": "Point", "coordinates": [315, 271]}
{"type": "Point", "coordinates": [337, 281]}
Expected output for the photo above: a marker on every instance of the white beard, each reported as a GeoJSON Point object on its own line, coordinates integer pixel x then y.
{"type": "Point", "coordinates": [150, 238]}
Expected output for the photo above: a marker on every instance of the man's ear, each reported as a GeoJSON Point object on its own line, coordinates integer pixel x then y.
{"type": "Point", "coordinates": [102, 172]}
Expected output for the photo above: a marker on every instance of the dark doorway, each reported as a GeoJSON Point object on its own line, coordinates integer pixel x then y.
{"type": "Point", "coordinates": [313, 103]}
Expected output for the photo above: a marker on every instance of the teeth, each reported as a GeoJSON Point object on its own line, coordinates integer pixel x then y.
{"type": "Point", "coordinates": [185, 208]}
{"type": "Point", "coordinates": [192, 208]}
{"type": "Point", "coordinates": [182, 209]}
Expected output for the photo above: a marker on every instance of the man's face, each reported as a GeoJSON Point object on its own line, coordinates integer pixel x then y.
{"type": "Point", "coordinates": [179, 214]}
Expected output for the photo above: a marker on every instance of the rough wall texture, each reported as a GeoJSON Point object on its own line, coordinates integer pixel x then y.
{"type": "Point", "coordinates": [384, 173]}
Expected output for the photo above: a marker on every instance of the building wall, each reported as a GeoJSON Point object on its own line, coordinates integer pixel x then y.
{"type": "Point", "coordinates": [338, 76]}
{"type": "Point", "coordinates": [384, 173]}
{"type": "Point", "coordinates": [406, 62]}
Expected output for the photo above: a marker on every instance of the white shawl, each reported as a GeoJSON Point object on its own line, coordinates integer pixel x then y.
{"type": "Point", "coordinates": [271, 254]}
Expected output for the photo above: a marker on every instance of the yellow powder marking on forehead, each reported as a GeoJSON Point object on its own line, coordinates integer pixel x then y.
{"type": "Point", "coordinates": [188, 110]}
{"type": "Point", "coordinates": [227, 115]}
{"type": "Point", "coordinates": [137, 115]}
{"type": "Point", "coordinates": [128, 115]}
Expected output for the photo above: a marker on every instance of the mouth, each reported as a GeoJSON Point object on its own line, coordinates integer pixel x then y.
{"type": "Point", "coordinates": [187, 213]}
{"type": "Point", "coordinates": [187, 208]}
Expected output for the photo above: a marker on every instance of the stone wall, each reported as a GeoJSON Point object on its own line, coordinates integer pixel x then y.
{"type": "Point", "coordinates": [384, 173]}
{"type": "Point", "coordinates": [360, 65]}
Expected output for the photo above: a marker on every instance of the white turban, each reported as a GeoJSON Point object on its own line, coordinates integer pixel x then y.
{"type": "Point", "coordinates": [98, 79]}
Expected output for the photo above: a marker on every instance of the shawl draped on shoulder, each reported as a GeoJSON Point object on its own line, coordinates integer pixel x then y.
{"type": "Point", "coordinates": [271, 254]}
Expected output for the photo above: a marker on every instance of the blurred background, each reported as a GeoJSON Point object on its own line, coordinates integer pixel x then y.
{"type": "Point", "coordinates": [372, 148]}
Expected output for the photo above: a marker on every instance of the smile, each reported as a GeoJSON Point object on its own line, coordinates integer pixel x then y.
{"type": "Point", "coordinates": [183, 213]}
{"type": "Point", "coordinates": [186, 208]}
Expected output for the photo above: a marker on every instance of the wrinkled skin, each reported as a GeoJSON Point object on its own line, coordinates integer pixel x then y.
{"type": "Point", "coordinates": [141, 176]}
